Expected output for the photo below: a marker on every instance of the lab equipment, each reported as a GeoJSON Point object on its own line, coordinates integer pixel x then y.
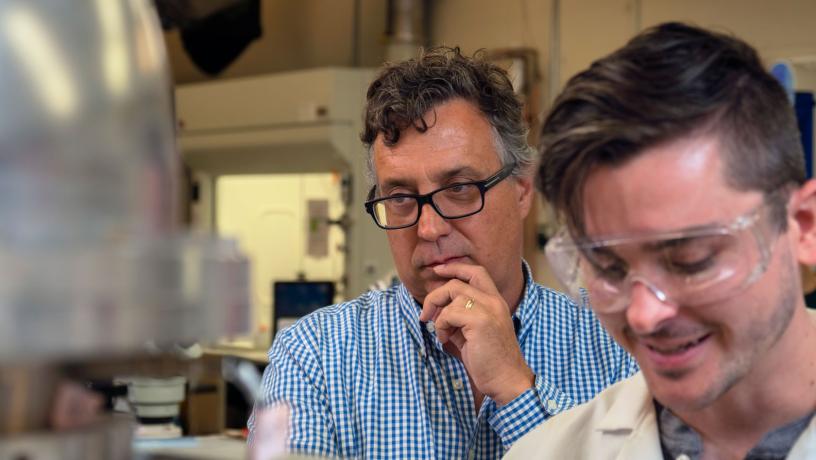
{"type": "Point", "coordinates": [93, 264]}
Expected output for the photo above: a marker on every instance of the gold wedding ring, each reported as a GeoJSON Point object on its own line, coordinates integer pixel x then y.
{"type": "Point", "coordinates": [469, 304]}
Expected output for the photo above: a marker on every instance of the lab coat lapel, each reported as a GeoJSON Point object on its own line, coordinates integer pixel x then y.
{"type": "Point", "coordinates": [632, 421]}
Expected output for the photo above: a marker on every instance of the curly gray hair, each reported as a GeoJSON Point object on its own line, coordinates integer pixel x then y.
{"type": "Point", "coordinates": [404, 92]}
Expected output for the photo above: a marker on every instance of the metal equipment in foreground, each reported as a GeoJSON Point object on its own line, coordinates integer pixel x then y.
{"type": "Point", "coordinates": [92, 265]}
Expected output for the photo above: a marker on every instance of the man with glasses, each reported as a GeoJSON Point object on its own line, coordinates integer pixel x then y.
{"type": "Point", "coordinates": [467, 353]}
{"type": "Point", "coordinates": [677, 167]}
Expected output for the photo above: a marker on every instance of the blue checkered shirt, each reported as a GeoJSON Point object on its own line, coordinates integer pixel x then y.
{"type": "Point", "coordinates": [366, 379]}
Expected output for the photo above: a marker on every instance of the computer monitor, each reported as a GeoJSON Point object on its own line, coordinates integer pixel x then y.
{"type": "Point", "coordinates": [293, 299]}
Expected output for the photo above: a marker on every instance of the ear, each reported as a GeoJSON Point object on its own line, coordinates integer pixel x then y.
{"type": "Point", "coordinates": [802, 217]}
{"type": "Point", "coordinates": [524, 192]}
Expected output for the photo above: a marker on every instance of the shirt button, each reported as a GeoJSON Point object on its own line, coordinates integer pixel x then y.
{"type": "Point", "coordinates": [551, 405]}
{"type": "Point", "coordinates": [422, 352]}
{"type": "Point", "coordinates": [430, 327]}
{"type": "Point", "coordinates": [683, 457]}
{"type": "Point", "coordinates": [457, 384]}
{"type": "Point", "coordinates": [471, 454]}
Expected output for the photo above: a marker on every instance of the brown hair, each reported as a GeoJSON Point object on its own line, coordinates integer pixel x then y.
{"type": "Point", "coordinates": [670, 81]}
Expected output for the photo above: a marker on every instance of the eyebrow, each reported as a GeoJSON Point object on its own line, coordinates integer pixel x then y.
{"type": "Point", "coordinates": [603, 252]}
{"type": "Point", "coordinates": [439, 177]}
{"type": "Point", "coordinates": [648, 247]}
{"type": "Point", "coordinates": [593, 254]}
{"type": "Point", "coordinates": [669, 244]}
{"type": "Point", "coordinates": [683, 236]}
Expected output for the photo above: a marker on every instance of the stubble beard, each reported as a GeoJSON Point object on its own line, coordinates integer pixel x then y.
{"type": "Point", "coordinates": [760, 338]}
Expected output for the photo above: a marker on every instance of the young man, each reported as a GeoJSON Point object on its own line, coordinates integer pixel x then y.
{"type": "Point", "coordinates": [467, 353]}
{"type": "Point", "coordinates": [677, 165]}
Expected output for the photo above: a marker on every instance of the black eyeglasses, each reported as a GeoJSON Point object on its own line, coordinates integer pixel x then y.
{"type": "Point", "coordinates": [451, 202]}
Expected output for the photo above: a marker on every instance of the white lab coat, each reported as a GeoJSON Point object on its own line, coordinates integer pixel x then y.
{"type": "Point", "coordinates": [620, 424]}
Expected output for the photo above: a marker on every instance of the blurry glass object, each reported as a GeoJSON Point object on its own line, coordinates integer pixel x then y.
{"type": "Point", "coordinates": [93, 264]}
{"type": "Point", "coordinates": [271, 432]}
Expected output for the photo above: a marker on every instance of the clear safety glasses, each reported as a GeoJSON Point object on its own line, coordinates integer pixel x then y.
{"type": "Point", "coordinates": [690, 267]}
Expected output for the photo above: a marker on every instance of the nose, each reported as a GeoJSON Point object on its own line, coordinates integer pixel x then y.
{"type": "Point", "coordinates": [431, 225]}
{"type": "Point", "coordinates": [648, 308]}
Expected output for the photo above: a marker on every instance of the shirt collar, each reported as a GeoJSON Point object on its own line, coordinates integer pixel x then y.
{"type": "Point", "coordinates": [528, 305]}
{"type": "Point", "coordinates": [410, 309]}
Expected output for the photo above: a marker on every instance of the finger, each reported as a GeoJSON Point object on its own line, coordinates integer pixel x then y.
{"type": "Point", "coordinates": [447, 329]}
{"type": "Point", "coordinates": [458, 339]}
{"type": "Point", "coordinates": [443, 335]}
{"type": "Point", "coordinates": [442, 296]}
{"type": "Point", "coordinates": [474, 275]}
{"type": "Point", "coordinates": [453, 319]}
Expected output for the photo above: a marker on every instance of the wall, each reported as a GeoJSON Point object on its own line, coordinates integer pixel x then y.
{"type": "Point", "coordinates": [489, 24]}
{"type": "Point", "coordinates": [267, 215]}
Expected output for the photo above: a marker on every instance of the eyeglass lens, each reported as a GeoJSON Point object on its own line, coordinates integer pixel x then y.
{"type": "Point", "coordinates": [452, 202]}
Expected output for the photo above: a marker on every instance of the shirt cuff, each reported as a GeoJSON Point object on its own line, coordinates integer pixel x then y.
{"type": "Point", "coordinates": [528, 410]}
